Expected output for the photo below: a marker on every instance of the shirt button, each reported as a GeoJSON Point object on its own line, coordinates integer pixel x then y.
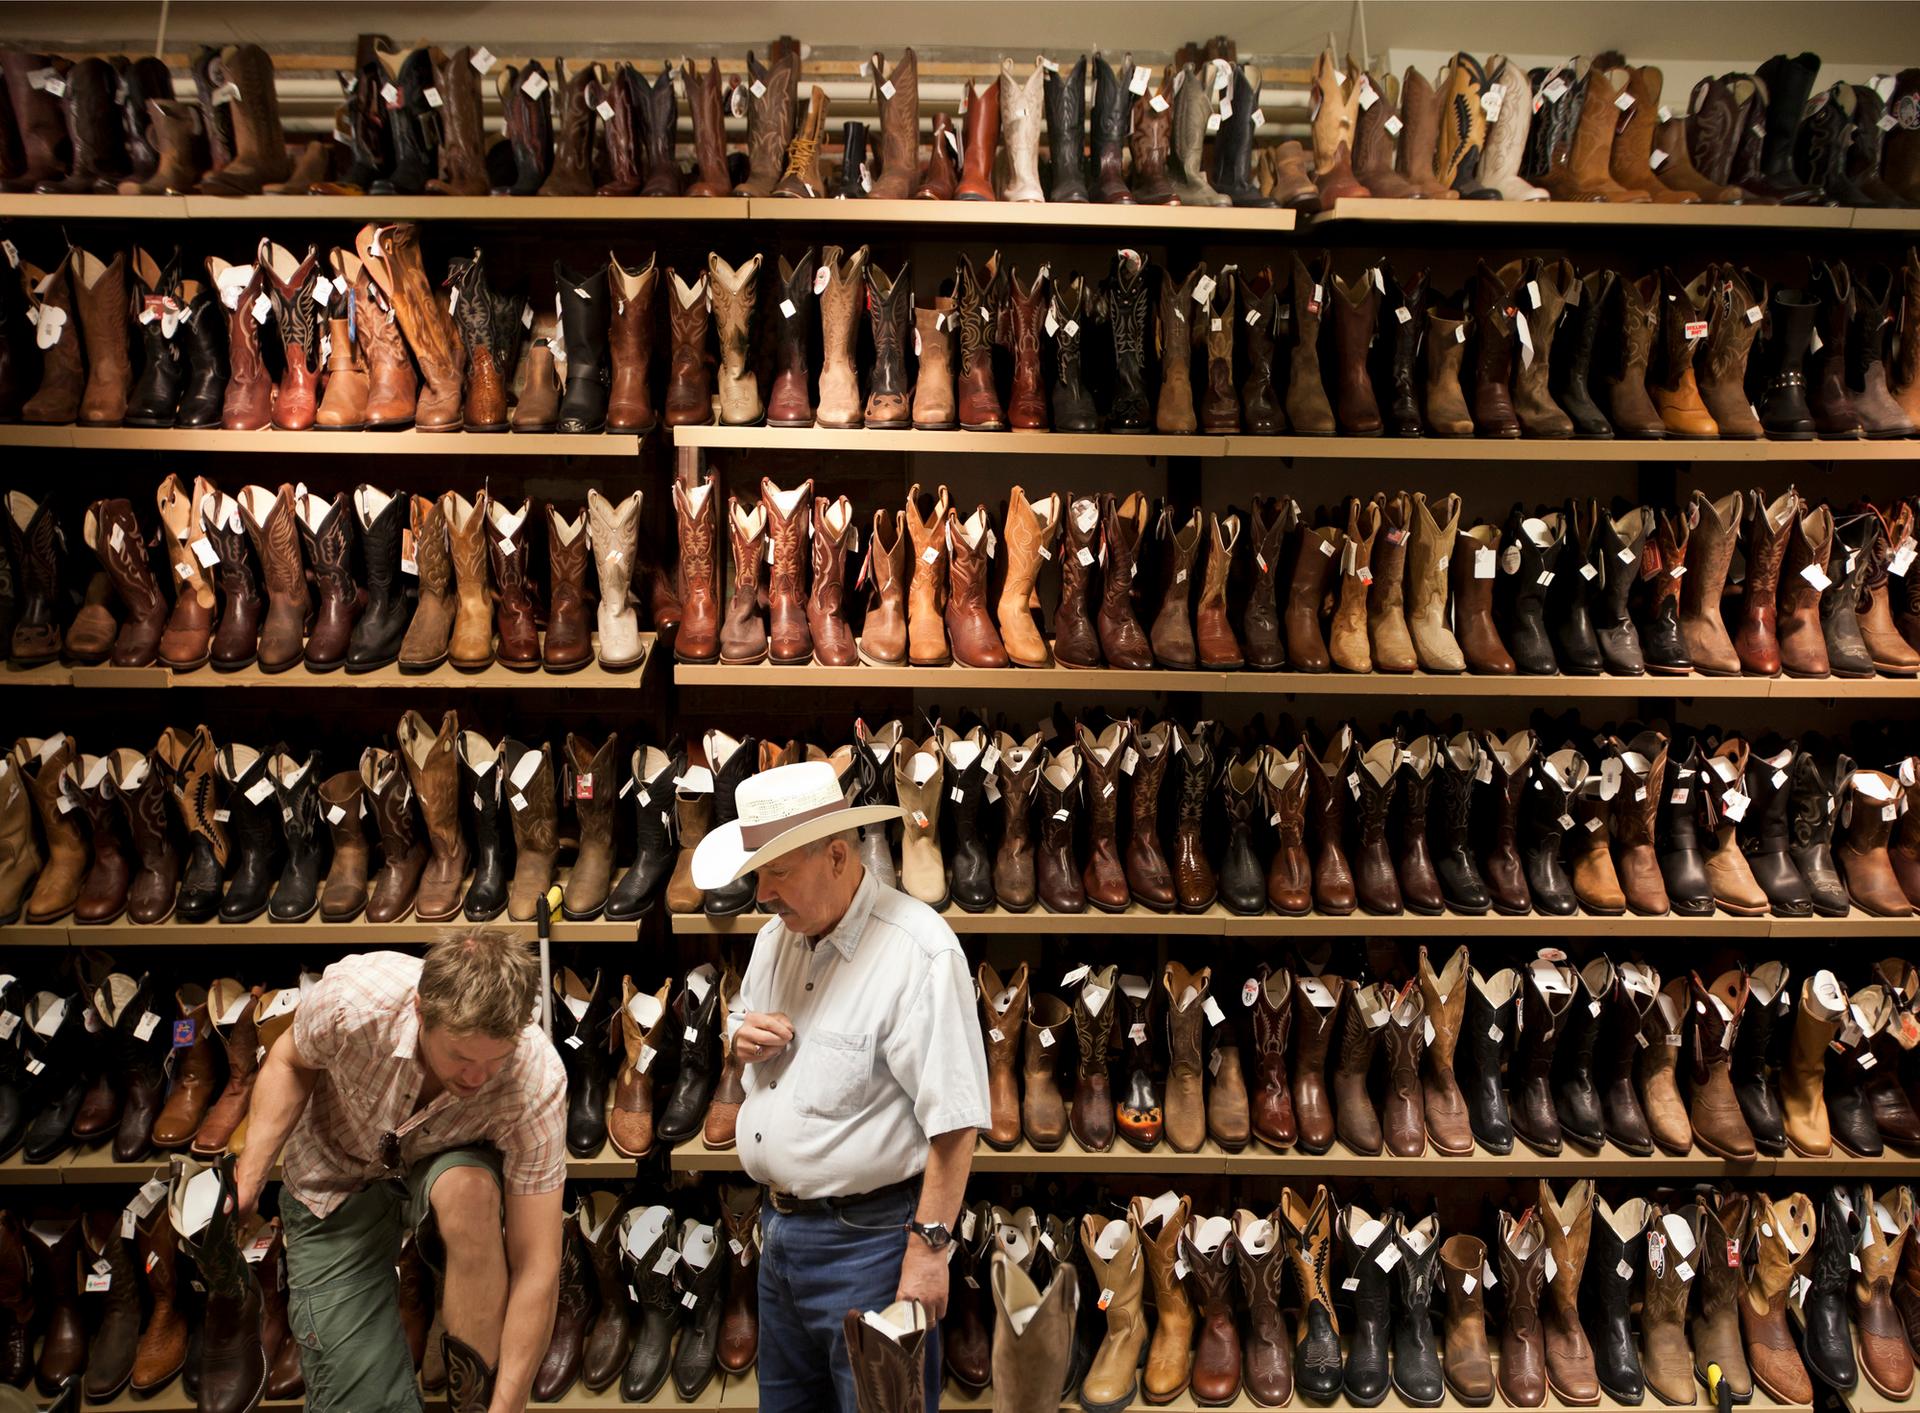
{"type": "Point", "coordinates": [774, 1085]}
{"type": "Point", "coordinates": [809, 986]}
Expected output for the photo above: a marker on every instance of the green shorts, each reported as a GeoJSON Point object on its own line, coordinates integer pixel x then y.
{"type": "Point", "coordinates": [343, 1291]}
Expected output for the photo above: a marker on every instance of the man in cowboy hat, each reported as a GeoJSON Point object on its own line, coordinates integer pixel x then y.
{"type": "Point", "coordinates": [865, 1075]}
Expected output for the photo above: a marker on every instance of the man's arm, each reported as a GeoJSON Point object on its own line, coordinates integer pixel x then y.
{"type": "Point", "coordinates": [923, 1271]}
{"type": "Point", "coordinates": [533, 1294]}
{"type": "Point", "coordinates": [280, 1095]}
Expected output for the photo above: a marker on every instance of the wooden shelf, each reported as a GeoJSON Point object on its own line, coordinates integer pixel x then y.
{"type": "Point", "coordinates": [406, 443]}
{"type": "Point", "coordinates": [356, 934]}
{"type": "Point", "coordinates": [1531, 449]}
{"type": "Point", "coordinates": [95, 1167]}
{"type": "Point", "coordinates": [1256, 1160]}
{"type": "Point", "coordinates": [1134, 922]}
{"type": "Point", "coordinates": [1112, 444]}
{"type": "Point", "coordinates": [1138, 221]}
{"type": "Point", "coordinates": [1353, 211]}
{"type": "Point", "coordinates": [1133, 220]}
{"type": "Point", "coordinates": [725, 1391]}
{"type": "Point", "coordinates": [593, 677]}
{"type": "Point", "coordinates": [1271, 684]}
{"type": "Point", "coordinates": [1137, 921]}
{"type": "Point", "coordinates": [1474, 449]}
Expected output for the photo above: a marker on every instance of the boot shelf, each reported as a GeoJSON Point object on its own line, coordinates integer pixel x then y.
{"type": "Point", "coordinates": [407, 443]}
{"type": "Point", "coordinates": [592, 677]}
{"type": "Point", "coordinates": [96, 1167]}
{"type": "Point", "coordinates": [1218, 922]}
{"type": "Point", "coordinates": [1276, 684]}
{"type": "Point", "coordinates": [1341, 1161]}
{"type": "Point", "coordinates": [1350, 212]}
{"type": "Point", "coordinates": [714, 437]}
{"type": "Point", "coordinates": [1346, 215]}
{"type": "Point", "coordinates": [724, 1391]}
{"type": "Point", "coordinates": [952, 1398]}
{"type": "Point", "coordinates": [1138, 220]}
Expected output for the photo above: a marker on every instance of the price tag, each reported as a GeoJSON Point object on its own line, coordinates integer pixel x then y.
{"type": "Point", "coordinates": [1816, 576]}
{"type": "Point", "coordinates": [1734, 805]}
{"type": "Point", "coordinates": [434, 100]}
{"type": "Point", "coordinates": [482, 60]}
{"type": "Point", "coordinates": [98, 1281]}
{"type": "Point", "coordinates": [1136, 85]}
{"type": "Point", "coordinates": [605, 110]}
{"type": "Point", "coordinates": [534, 85]}
{"type": "Point", "coordinates": [150, 1022]}
{"type": "Point", "coordinates": [1159, 104]}
{"type": "Point", "coordinates": [1493, 100]}
{"type": "Point", "coordinates": [390, 94]}
{"type": "Point", "coordinates": [1213, 1012]}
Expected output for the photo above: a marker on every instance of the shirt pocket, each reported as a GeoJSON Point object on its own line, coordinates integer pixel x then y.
{"type": "Point", "coordinates": [832, 1076]}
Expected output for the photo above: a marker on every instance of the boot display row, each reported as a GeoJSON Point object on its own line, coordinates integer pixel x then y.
{"type": "Point", "coordinates": [1596, 129]}
{"type": "Point", "coordinates": [170, 1286]}
{"type": "Point", "coordinates": [646, 1067]}
{"type": "Point", "coordinates": [647, 1289]}
{"type": "Point", "coordinates": [444, 825]}
{"type": "Point", "coordinates": [360, 580]}
{"type": "Point", "coordinates": [1626, 818]}
{"type": "Point", "coordinates": [1535, 349]}
{"type": "Point", "coordinates": [415, 121]}
{"type": "Point", "coordinates": [1397, 583]}
{"type": "Point", "coordinates": [96, 126]}
{"type": "Point", "coordinates": [1578, 1294]}
{"type": "Point", "coordinates": [1416, 1062]}
{"type": "Point", "coordinates": [1530, 349]}
{"type": "Point", "coordinates": [655, 1283]}
{"type": "Point", "coordinates": [135, 1059]}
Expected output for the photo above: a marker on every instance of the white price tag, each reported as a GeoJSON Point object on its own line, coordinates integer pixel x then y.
{"type": "Point", "coordinates": [534, 85]}
{"type": "Point", "coordinates": [1136, 85]}
{"type": "Point", "coordinates": [482, 60]}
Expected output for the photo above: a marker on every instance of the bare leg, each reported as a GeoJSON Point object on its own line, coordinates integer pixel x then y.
{"type": "Point", "coordinates": [466, 1206]}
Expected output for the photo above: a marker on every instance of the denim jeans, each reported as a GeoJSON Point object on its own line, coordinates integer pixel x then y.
{"type": "Point", "coordinates": [813, 1269]}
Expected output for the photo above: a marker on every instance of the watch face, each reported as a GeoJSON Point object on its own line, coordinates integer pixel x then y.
{"type": "Point", "coordinates": [934, 1234]}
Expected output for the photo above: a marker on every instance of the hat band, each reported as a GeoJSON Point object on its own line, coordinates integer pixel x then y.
{"type": "Point", "coordinates": [754, 836]}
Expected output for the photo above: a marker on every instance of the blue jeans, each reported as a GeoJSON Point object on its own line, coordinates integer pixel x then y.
{"type": "Point", "coordinates": [813, 1269]}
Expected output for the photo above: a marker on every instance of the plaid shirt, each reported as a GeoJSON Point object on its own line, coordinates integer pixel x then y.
{"type": "Point", "coordinates": [358, 1026]}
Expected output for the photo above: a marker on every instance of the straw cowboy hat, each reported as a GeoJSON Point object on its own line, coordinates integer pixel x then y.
{"type": "Point", "coordinates": [780, 810]}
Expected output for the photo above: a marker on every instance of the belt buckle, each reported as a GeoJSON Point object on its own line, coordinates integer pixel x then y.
{"type": "Point", "coordinates": [784, 1203]}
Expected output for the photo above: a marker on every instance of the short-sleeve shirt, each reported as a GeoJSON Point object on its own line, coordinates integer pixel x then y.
{"type": "Point", "coordinates": [358, 1026]}
{"type": "Point", "coordinates": [886, 1050]}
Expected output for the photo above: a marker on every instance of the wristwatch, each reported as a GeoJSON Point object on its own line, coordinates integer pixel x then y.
{"type": "Point", "coordinates": [935, 1234]}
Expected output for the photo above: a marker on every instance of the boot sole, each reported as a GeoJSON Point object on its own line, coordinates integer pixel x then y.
{"type": "Point", "coordinates": [1561, 1394]}
{"type": "Point", "coordinates": [100, 922]}
{"type": "Point", "coordinates": [1349, 1396]}
{"type": "Point", "coordinates": [1421, 1402]}
{"type": "Point", "coordinates": [421, 669]}
{"type": "Point", "coordinates": [1165, 1397]}
{"type": "Point", "coordinates": [1466, 1398]}
{"type": "Point", "coordinates": [354, 669]}
{"type": "Point", "coordinates": [275, 917]}
{"type": "Point", "coordinates": [1114, 1407]}
{"type": "Point", "coordinates": [1737, 1157]}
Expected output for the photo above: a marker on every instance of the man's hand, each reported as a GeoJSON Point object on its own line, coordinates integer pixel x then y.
{"type": "Point", "coordinates": [923, 1277]}
{"type": "Point", "coordinates": [761, 1037]}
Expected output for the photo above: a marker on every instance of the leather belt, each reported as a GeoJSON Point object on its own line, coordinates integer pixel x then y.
{"type": "Point", "coordinates": [787, 1205]}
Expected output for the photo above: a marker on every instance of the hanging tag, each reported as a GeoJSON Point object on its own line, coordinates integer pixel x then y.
{"type": "Point", "coordinates": [432, 95]}
{"type": "Point", "coordinates": [534, 85]}
{"type": "Point", "coordinates": [1393, 125]}
{"type": "Point", "coordinates": [1367, 96]}
{"type": "Point", "coordinates": [1816, 576]}
{"type": "Point", "coordinates": [1213, 1012]}
{"type": "Point", "coordinates": [1493, 100]}
{"type": "Point", "coordinates": [1526, 342]}
{"type": "Point", "coordinates": [149, 1022]}
{"type": "Point", "coordinates": [1137, 85]}
{"type": "Point", "coordinates": [482, 60]}
{"type": "Point", "coordinates": [1589, 573]}
{"type": "Point", "coordinates": [605, 110]}
{"type": "Point", "coordinates": [1903, 558]}
{"type": "Point", "coordinates": [1158, 103]}
{"type": "Point", "coordinates": [1734, 806]}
